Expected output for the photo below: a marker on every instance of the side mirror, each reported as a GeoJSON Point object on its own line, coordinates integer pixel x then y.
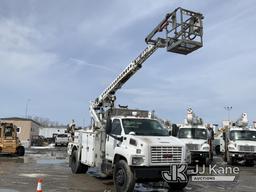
{"type": "Point", "coordinates": [131, 133]}
{"type": "Point", "coordinates": [224, 136]}
{"type": "Point", "coordinates": [175, 130]}
{"type": "Point", "coordinates": [120, 138]}
{"type": "Point", "coordinates": [108, 126]}
{"type": "Point", "coordinates": [170, 133]}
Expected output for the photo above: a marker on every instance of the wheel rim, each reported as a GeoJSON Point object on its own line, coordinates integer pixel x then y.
{"type": "Point", "coordinates": [120, 177]}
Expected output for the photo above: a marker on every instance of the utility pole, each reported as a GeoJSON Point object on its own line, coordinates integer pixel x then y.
{"type": "Point", "coordinates": [26, 112]}
{"type": "Point", "coordinates": [228, 109]}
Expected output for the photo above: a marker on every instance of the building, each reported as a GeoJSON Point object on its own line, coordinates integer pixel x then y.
{"type": "Point", "coordinates": [51, 132]}
{"type": "Point", "coordinates": [26, 129]}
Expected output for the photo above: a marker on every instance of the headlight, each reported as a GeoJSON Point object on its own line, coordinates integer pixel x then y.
{"type": "Point", "coordinates": [206, 148]}
{"type": "Point", "coordinates": [231, 148]}
{"type": "Point", "coordinates": [137, 160]}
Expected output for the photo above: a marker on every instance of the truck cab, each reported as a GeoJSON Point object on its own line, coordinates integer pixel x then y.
{"type": "Point", "coordinates": [241, 145]}
{"type": "Point", "coordinates": [143, 142]}
{"type": "Point", "coordinates": [195, 138]}
{"type": "Point", "coordinates": [193, 133]}
{"type": "Point", "coordinates": [61, 139]}
{"type": "Point", "coordinates": [239, 142]}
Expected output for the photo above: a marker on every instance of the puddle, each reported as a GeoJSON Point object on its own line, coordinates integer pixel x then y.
{"type": "Point", "coordinates": [51, 161]}
{"type": "Point", "coordinates": [33, 175]}
{"type": "Point", "coordinates": [8, 190]}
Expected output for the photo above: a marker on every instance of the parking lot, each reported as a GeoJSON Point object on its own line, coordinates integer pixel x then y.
{"type": "Point", "coordinates": [19, 174]}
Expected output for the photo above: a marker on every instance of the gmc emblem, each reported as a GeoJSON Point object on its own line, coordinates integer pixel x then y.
{"type": "Point", "coordinates": [167, 155]}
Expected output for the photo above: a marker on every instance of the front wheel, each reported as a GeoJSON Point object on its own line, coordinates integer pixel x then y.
{"type": "Point", "coordinates": [249, 163]}
{"type": "Point", "coordinates": [230, 160]}
{"type": "Point", "coordinates": [20, 151]}
{"type": "Point", "coordinates": [75, 164]}
{"type": "Point", "coordinates": [124, 179]}
{"type": "Point", "coordinates": [177, 186]}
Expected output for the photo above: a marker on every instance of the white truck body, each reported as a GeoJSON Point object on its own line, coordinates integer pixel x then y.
{"type": "Point", "coordinates": [241, 145]}
{"type": "Point", "coordinates": [149, 150]}
{"type": "Point", "coordinates": [194, 134]}
{"type": "Point", "coordinates": [240, 142]}
{"type": "Point", "coordinates": [197, 148]}
{"type": "Point", "coordinates": [61, 139]}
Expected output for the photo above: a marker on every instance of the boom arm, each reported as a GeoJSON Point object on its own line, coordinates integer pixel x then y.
{"type": "Point", "coordinates": [179, 26]}
{"type": "Point", "coordinates": [107, 98]}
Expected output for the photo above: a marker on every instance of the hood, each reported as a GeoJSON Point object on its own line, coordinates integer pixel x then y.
{"type": "Point", "coordinates": [245, 142]}
{"type": "Point", "coordinates": [157, 140]}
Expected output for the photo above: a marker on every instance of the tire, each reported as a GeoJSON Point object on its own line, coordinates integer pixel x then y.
{"type": "Point", "coordinates": [75, 164]}
{"type": "Point", "coordinates": [249, 163]}
{"type": "Point", "coordinates": [20, 151]}
{"type": "Point", "coordinates": [205, 161]}
{"type": "Point", "coordinates": [124, 179]}
{"type": "Point", "coordinates": [217, 150]}
{"type": "Point", "coordinates": [230, 160]}
{"type": "Point", "coordinates": [177, 186]}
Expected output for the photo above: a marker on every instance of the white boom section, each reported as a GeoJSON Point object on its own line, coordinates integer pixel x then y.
{"type": "Point", "coordinates": [125, 75]}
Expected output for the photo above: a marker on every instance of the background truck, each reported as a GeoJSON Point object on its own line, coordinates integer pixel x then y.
{"type": "Point", "coordinates": [194, 134]}
{"type": "Point", "coordinates": [9, 142]}
{"type": "Point", "coordinates": [61, 139]}
{"type": "Point", "coordinates": [130, 144]}
{"type": "Point", "coordinates": [239, 142]}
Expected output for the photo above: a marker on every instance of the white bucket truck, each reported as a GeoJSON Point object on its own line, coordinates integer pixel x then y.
{"type": "Point", "coordinates": [130, 144]}
{"type": "Point", "coordinates": [239, 142]}
{"type": "Point", "coordinates": [194, 134]}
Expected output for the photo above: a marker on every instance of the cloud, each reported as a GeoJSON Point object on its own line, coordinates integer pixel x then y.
{"type": "Point", "coordinates": [83, 64]}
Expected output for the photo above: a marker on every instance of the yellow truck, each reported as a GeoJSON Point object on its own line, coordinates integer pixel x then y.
{"type": "Point", "coordinates": [9, 142]}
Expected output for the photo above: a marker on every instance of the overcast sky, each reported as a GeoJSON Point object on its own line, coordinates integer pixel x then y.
{"type": "Point", "coordinates": [62, 54]}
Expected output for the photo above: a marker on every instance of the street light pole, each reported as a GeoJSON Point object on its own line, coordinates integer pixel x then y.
{"type": "Point", "coordinates": [26, 113]}
{"type": "Point", "coordinates": [228, 109]}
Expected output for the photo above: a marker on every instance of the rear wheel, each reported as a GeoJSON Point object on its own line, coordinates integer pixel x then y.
{"type": "Point", "coordinates": [123, 177]}
{"type": "Point", "coordinates": [177, 186]}
{"type": "Point", "coordinates": [20, 151]}
{"type": "Point", "coordinates": [230, 160]}
{"type": "Point", "coordinates": [217, 150]}
{"type": "Point", "coordinates": [249, 163]}
{"type": "Point", "coordinates": [75, 164]}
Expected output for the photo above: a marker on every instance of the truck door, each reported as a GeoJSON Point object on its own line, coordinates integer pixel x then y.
{"type": "Point", "coordinates": [110, 141]}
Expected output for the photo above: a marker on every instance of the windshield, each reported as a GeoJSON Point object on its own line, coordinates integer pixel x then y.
{"type": "Point", "coordinates": [146, 127]}
{"type": "Point", "coordinates": [192, 133]}
{"type": "Point", "coordinates": [8, 131]}
{"type": "Point", "coordinates": [243, 135]}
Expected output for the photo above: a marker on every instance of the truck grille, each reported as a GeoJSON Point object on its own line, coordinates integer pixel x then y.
{"type": "Point", "coordinates": [247, 148]}
{"type": "Point", "coordinates": [166, 154]}
{"type": "Point", "coordinates": [192, 147]}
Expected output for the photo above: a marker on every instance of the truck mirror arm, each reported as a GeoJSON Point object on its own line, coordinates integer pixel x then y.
{"type": "Point", "coordinates": [119, 138]}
